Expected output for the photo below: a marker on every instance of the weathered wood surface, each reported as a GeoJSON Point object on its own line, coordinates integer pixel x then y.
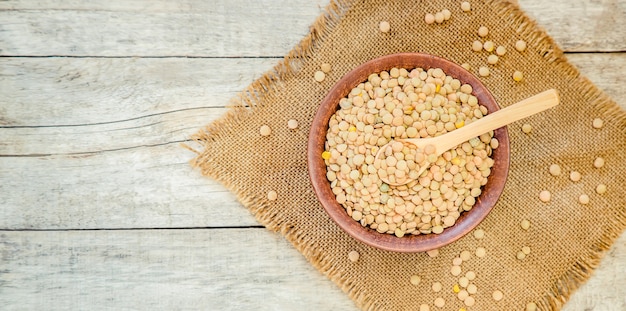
{"type": "Point", "coordinates": [90, 162]}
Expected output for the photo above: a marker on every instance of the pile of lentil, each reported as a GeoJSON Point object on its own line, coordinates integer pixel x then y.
{"type": "Point", "coordinates": [399, 104]}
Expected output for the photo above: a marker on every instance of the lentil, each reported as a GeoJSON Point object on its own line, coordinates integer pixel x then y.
{"type": "Point", "coordinates": [525, 224]}
{"type": "Point", "coordinates": [469, 301]}
{"type": "Point", "coordinates": [488, 46]}
{"type": "Point", "coordinates": [518, 76]}
{"type": "Point", "coordinates": [462, 295]}
{"type": "Point", "coordinates": [384, 26]}
{"type": "Point", "coordinates": [424, 307]}
{"type": "Point", "coordinates": [477, 46]}
{"type": "Point", "coordinates": [470, 275]}
{"type": "Point", "coordinates": [481, 252]}
{"type": "Point", "coordinates": [479, 234]}
{"type": "Point", "coordinates": [598, 162]}
{"type": "Point", "coordinates": [555, 170]}
{"type": "Point", "coordinates": [601, 189]}
{"type": "Point", "coordinates": [265, 130]}
{"type": "Point", "coordinates": [440, 302]}
{"type": "Point", "coordinates": [353, 256]}
{"type": "Point", "coordinates": [526, 250]}
{"type": "Point", "coordinates": [292, 124]}
{"type": "Point", "coordinates": [467, 67]}
{"type": "Point", "coordinates": [439, 18]}
{"type": "Point", "coordinates": [326, 68]}
{"type": "Point", "coordinates": [446, 14]}
{"type": "Point", "coordinates": [319, 76]}
{"type": "Point", "coordinates": [521, 255]}
{"type": "Point", "coordinates": [429, 18]}
{"type": "Point", "coordinates": [497, 295]}
{"type": "Point", "coordinates": [544, 196]}
{"type": "Point", "coordinates": [492, 59]}
{"type": "Point", "coordinates": [597, 123]}
{"type": "Point", "coordinates": [455, 270]}
{"type": "Point", "coordinates": [466, 6]}
{"type": "Point", "coordinates": [433, 253]}
{"type": "Point", "coordinates": [520, 45]}
{"type": "Point", "coordinates": [527, 128]}
{"type": "Point", "coordinates": [575, 176]}
{"type": "Point", "coordinates": [272, 195]}
{"type": "Point", "coordinates": [501, 50]}
{"type": "Point", "coordinates": [531, 306]}
{"type": "Point", "coordinates": [463, 281]}
{"type": "Point", "coordinates": [472, 289]}
{"type": "Point", "coordinates": [483, 31]}
{"type": "Point", "coordinates": [483, 71]}
{"type": "Point", "coordinates": [437, 287]}
{"type": "Point", "coordinates": [399, 104]}
{"type": "Point", "coordinates": [415, 280]}
{"type": "Point", "coordinates": [583, 199]}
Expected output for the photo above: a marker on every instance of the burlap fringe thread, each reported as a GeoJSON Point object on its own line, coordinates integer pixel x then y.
{"type": "Point", "coordinates": [252, 96]}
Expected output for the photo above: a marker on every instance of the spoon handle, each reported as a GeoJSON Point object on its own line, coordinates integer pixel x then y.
{"type": "Point", "coordinates": [502, 117]}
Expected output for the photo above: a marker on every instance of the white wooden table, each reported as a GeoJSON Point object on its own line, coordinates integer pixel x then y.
{"type": "Point", "coordinates": [99, 208]}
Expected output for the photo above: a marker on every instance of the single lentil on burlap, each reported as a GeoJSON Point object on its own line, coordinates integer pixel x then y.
{"type": "Point", "coordinates": [406, 104]}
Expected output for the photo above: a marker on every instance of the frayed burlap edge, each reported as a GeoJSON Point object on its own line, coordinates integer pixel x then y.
{"type": "Point", "coordinates": [251, 97]}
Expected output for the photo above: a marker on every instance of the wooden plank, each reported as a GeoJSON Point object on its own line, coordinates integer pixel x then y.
{"type": "Point", "coordinates": [236, 269]}
{"type": "Point", "coordinates": [143, 187]}
{"type": "Point", "coordinates": [227, 28]}
{"type": "Point", "coordinates": [198, 270]}
{"type": "Point", "coordinates": [92, 91]}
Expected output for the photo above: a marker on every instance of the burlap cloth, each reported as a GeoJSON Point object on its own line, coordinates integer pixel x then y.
{"type": "Point", "coordinates": [567, 239]}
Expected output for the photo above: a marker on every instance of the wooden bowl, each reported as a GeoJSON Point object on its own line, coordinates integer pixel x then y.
{"type": "Point", "coordinates": [409, 243]}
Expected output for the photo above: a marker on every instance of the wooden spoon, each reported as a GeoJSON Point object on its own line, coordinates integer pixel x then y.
{"type": "Point", "coordinates": [500, 118]}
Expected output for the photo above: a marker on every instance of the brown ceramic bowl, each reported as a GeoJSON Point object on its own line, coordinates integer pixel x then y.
{"type": "Point", "coordinates": [409, 243]}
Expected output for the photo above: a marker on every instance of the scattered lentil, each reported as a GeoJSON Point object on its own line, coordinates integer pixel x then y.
{"type": "Point", "coordinates": [415, 280]}
{"type": "Point", "coordinates": [292, 124]}
{"type": "Point", "coordinates": [462, 295]}
{"type": "Point", "coordinates": [433, 253]}
{"type": "Point", "coordinates": [598, 162]}
{"type": "Point", "coordinates": [583, 199]}
{"type": "Point", "coordinates": [501, 50]}
{"type": "Point", "coordinates": [527, 128]}
{"type": "Point", "coordinates": [601, 189]}
{"type": "Point", "coordinates": [466, 6]}
{"type": "Point", "coordinates": [455, 270]}
{"type": "Point", "coordinates": [531, 306]}
{"type": "Point", "coordinates": [429, 18]}
{"type": "Point", "coordinates": [488, 46]}
{"type": "Point", "coordinates": [481, 252]}
{"type": "Point", "coordinates": [497, 295]}
{"type": "Point", "coordinates": [384, 26]}
{"type": "Point", "coordinates": [424, 307]}
{"type": "Point", "coordinates": [483, 31]}
{"type": "Point", "coordinates": [521, 255]}
{"type": "Point", "coordinates": [575, 176]}
{"type": "Point", "coordinates": [470, 275]}
{"type": "Point", "coordinates": [437, 287]}
{"type": "Point", "coordinates": [492, 59]}
{"type": "Point", "coordinates": [353, 256]}
{"type": "Point", "coordinates": [469, 301]}
{"type": "Point", "coordinates": [597, 123]}
{"type": "Point", "coordinates": [520, 45]}
{"type": "Point", "coordinates": [439, 18]}
{"type": "Point", "coordinates": [446, 14]}
{"type": "Point", "coordinates": [555, 170]}
{"type": "Point", "coordinates": [465, 256]}
{"type": "Point", "coordinates": [526, 250]}
{"type": "Point", "coordinates": [440, 302]}
{"type": "Point", "coordinates": [477, 46]}
{"type": "Point", "coordinates": [483, 71]}
{"type": "Point", "coordinates": [463, 281]}
{"type": "Point", "coordinates": [467, 67]}
{"type": "Point", "coordinates": [472, 289]}
{"type": "Point", "coordinates": [518, 76]}
{"type": "Point", "coordinates": [326, 68]}
{"type": "Point", "coordinates": [265, 130]}
{"type": "Point", "coordinates": [272, 195]}
{"type": "Point", "coordinates": [525, 224]}
{"type": "Point", "coordinates": [456, 288]}
{"type": "Point", "coordinates": [544, 196]}
{"type": "Point", "coordinates": [319, 76]}
{"type": "Point", "coordinates": [479, 234]}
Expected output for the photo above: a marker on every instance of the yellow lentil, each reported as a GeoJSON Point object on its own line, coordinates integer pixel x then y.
{"type": "Point", "coordinates": [518, 76]}
{"type": "Point", "coordinates": [488, 46]}
{"type": "Point", "coordinates": [483, 31]}
{"type": "Point", "coordinates": [272, 195]}
{"type": "Point", "coordinates": [520, 45]}
{"type": "Point", "coordinates": [583, 199]}
{"type": "Point", "coordinates": [326, 155]}
{"type": "Point", "coordinates": [466, 6]}
{"type": "Point", "coordinates": [384, 26]}
{"type": "Point", "coordinates": [497, 295]}
{"type": "Point", "coordinates": [415, 280]}
{"type": "Point", "coordinates": [598, 162]}
{"type": "Point", "coordinates": [483, 71]}
{"type": "Point", "coordinates": [544, 196]}
{"type": "Point", "coordinates": [353, 256]}
{"type": "Point", "coordinates": [265, 130]}
{"type": "Point", "coordinates": [527, 128]}
{"type": "Point", "coordinates": [319, 76]}
{"type": "Point", "coordinates": [555, 170]}
{"type": "Point", "coordinates": [575, 176]}
{"type": "Point", "coordinates": [456, 288]}
{"type": "Point", "coordinates": [601, 189]}
{"type": "Point", "coordinates": [597, 123]}
{"type": "Point", "coordinates": [292, 124]}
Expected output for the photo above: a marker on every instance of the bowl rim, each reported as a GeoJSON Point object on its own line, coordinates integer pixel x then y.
{"type": "Point", "coordinates": [412, 243]}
